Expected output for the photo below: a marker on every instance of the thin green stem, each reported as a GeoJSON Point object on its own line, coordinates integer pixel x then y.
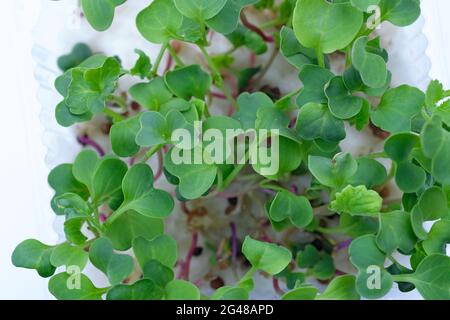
{"type": "Point", "coordinates": [159, 58]}
{"type": "Point", "coordinates": [329, 230]}
{"type": "Point", "coordinates": [151, 152]}
{"type": "Point", "coordinates": [218, 77]}
{"type": "Point", "coordinates": [174, 56]}
{"type": "Point", "coordinates": [273, 187]}
{"type": "Point", "coordinates": [114, 115]}
{"type": "Point", "coordinates": [401, 277]}
{"type": "Point", "coordinates": [290, 95]}
{"type": "Point", "coordinates": [425, 115]}
{"type": "Point", "coordinates": [118, 100]}
{"type": "Point", "coordinates": [377, 155]}
{"type": "Point", "coordinates": [320, 57]}
{"type": "Point", "coordinates": [237, 169]}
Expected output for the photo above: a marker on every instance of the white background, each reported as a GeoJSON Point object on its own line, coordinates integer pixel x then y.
{"type": "Point", "coordinates": [23, 188]}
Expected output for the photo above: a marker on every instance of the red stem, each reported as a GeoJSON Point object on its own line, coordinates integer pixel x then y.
{"type": "Point", "coordinates": [186, 264]}
{"type": "Point", "coordinates": [276, 286]}
{"type": "Point", "coordinates": [234, 242]}
{"type": "Point", "coordinates": [169, 63]}
{"type": "Point", "coordinates": [160, 166]}
{"type": "Point", "coordinates": [86, 141]}
{"type": "Point", "coordinates": [254, 28]}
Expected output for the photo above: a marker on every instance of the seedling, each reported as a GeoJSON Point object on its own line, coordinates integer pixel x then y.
{"type": "Point", "coordinates": [335, 200]}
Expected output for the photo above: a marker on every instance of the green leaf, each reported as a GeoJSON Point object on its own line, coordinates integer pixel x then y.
{"type": "Point", "coordinates": [90, 88]}
{"type": "Point", "coordinates": [397, 108]}
{"type": "Point", "coordinates": [308, 258]}
{"type": "Point", "coordinates": [296, 54]}
{"type": "Point", "coordinates": [107, 180]}
{"type": "Point", "coordinates": [226, 21]}
{"type": "Point", "coordinates": [373, 281]}
{"type": "Point", "coordinates": [64, 286]}
{"type": "Point", "coordinates": [249, 104]}
{"type": "Point", "coordinates": [151, 95]}
{"type": "Point", "coordinates": [370, 173]}
{"type": "Point", "coordinates": [324, 269]}
{"type": "Point", "coordinates": [243, 36]}
{"type": "Point", "coordinates": [68, 255]}
{"type": "Point", "coordinates": [117, 267]}
{"type": "Point", "coordinates": [123, 136]}
{"type": "Point", "coordinates": [438, 237]}
{"type": "Point", "coordinates": [436, 145]}
{"type": "Point", "coordinates": [363, 5]}
{"type": "Point", "coordinates": [156, 129]}
{"type": "Point", "coordinates": [357, 201]}
{"type": "Point", "coordinates": [399, 146]}
{"type": "Point", "coordinates": [356, 226]}
{"type": "Point", "coordinates": [158, 273]}
{"type": "Point", "coordinates": [72, 205]}
{"type": "Point", "coordinates": [159, 22]}
{"type": "Point", "coordinates": [195, 179]}
{"type": "Point", "coordinates": [230, 293]}
{"type": "Point", "coordinates": [62, 180]}
{"type": "Point", "coordinates": [315, 121]}
{"type": "Point", "coordinates": [371, 67]}
{"type": "Point", "coordinates": [396, 232]}
{"type": "Point", "coordinates": [66, 119]}
{"type": "Point", "coordinates": [140, 195]}
{"type": "Point", "coordinates": [266, 256]}
{"type": "Point", "coordinates": [297, 209]}
{"type": "Point", "coordinates": [79, 53]}
{"type": "Point", "coordinates": [131, 225]}
{"type": "Point", "coordinates": [435, 93]}
{"type": "Point", "coordinates": [314, 79]}
{"type": "Point", "coordinates": [100, 13]}
{"type": "Point", "coordinates": [200, 10]}
{"type": "Point", "coordinates": [83, 168]}
{"type": "Point", "coordinates": [432, 206]}
{"type": "Point", "coordinates": [409, 177]}
{"type": "Point", "coordinates": [341, 288]}
{"type": "Point", "coordinates": [400, 12]}
{"type": "Point", "coordinates": [181, 290]}
{"type": "Point", "coordinates": [432, 277]}
{"type": "Point", "coordinates": [278, 166]}
{"type": "Point", "coordinates": [162, 248]}
{"type": "Point", "coordinates": [188, 82]}
{"type": "Point", "coordinates": [144, 289]}
{"type": "Point", "coordinates": [342, 104]}
{"type": "Point", "coordinates": [33, 254]}
{"type": "Point", "coordinates": [301, 293]}
{"type": "Point", "coordinates": [72, 230]}
{"type": "Point", "coordinates": [326, 26]}
{"type": "Point", "coordinates": [143, 66]}
{"type": "Point", "coordinates": [333, 173]}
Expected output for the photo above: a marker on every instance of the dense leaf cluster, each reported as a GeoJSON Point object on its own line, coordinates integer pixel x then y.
{"type": "Point", "coordinates": [111, 207]}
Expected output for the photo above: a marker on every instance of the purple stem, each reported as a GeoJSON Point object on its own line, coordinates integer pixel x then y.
{"type": "Point", "coordinates": [86, 141]}
{"type": "Point", "coordinates": [185, 267]}
{"type": "Point", "coordinates": [342, 245]}
{"type": "Point", "coordinates": [269, 192]}
{"type": "Point", "coordinates": [234, 242]}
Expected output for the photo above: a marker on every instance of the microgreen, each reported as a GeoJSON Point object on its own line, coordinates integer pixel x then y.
{"type": "Point", "coordinates": [295, 224]}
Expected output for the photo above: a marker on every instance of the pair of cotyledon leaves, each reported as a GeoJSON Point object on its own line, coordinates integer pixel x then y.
{"type": "Point", "coordinates": [156, 258]}
{"type": "Point", "coordinates": [315, 24]}
{"type": "Point", "coordinates": [86, 89]}
{"type": "Point", "coordinates": [164, 20]}
{"type": "Point", "coordinates": [430, 276]}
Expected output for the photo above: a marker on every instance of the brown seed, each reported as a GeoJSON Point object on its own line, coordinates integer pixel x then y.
{"type": "Point", "coordinates": [217, 283]}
